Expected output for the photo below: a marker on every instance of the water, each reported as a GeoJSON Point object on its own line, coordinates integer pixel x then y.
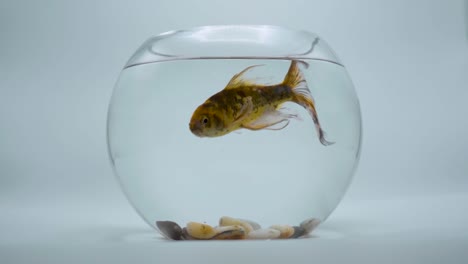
{"type": "Point", "coordinates": [271, 177]}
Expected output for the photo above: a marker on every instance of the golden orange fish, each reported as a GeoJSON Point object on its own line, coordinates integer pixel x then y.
{"type": "Point", "coordinates": [244, 104]}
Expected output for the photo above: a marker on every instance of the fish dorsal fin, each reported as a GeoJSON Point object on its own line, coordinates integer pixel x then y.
{"type": "Point", "coordinates": [238, 80]}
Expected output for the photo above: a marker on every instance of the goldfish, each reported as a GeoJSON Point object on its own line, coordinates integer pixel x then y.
{"type": "Point", "coordinates": [246, 104]}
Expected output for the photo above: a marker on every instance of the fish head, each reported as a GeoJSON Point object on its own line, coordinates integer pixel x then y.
{"type": "Point", "coordinates": [206, 121]}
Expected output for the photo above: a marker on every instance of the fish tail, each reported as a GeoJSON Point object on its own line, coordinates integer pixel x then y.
{"type": "Point", "coordinates": [301, 95]}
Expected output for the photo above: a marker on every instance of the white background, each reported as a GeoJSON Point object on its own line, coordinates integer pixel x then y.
{"type": "Point", "coordinates": [59, 61]}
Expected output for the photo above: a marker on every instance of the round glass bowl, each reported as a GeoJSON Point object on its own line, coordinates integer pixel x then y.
{"type": "Point", "coordinates": [193, 137]}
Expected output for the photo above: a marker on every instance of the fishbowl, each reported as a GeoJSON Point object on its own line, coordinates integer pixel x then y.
{"type": "Point", "coordinates": [234, 132]}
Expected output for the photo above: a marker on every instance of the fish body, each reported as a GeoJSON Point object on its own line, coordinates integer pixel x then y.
{"type": "Point", "coordinates": [245, 104]}
{"type": "Point", "coordinates": [248, 102]}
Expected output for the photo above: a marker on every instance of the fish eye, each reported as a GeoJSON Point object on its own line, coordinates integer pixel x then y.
{"type": "Point", "coordinates": [205, 120]}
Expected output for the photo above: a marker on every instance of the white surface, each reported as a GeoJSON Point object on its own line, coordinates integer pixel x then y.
{"type": "Point", "coordinates": [419, 229]}
{"type": "Point", "coordinates": [60, 59]}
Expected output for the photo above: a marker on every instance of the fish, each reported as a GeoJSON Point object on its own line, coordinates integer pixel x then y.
{"type": "Point", "coordinates": [248, 105]}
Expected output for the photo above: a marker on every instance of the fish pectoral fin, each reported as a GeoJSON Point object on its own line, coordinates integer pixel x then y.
{"type": "Point", "coordinates": [238, 80]}
{"type": "Point", "coordinates": [274, 120]}
{"type": "Point", "coordinates": [270, 126]}
{"type": "Point", "coordinates": [245, 110]}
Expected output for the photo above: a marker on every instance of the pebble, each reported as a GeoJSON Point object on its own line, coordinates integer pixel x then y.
{"type": "Point", "coordinates": [264, 234]}
{"type": "Point", "coordinates": [185, 235]}
{"type": "Point", "coordinates": [298, 232]}
{"type": "Point", "coordinates": [170, 230]}
{"type": "Point", "coordinates": [200, 231]}
{"type": "Point", "coordinates": [229, 221]}
{"type": "Point", "coordinates": [253, 224]}
{"type": "Point", "coordinates": [230, 232]}
{"type": "Point", "coordinates": [286, 231]}
{"type": "Point", "coordinates": [234, 228]}
{"type": "Point", "coordinates": [310, 224]}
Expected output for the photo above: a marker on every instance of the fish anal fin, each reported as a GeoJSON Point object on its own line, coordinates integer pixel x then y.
{"type": "Point", "coordinates": [238, 80]}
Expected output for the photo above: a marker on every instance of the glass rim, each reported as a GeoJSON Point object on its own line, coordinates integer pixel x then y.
{"type": "Point", "coordinates": [252, 42]}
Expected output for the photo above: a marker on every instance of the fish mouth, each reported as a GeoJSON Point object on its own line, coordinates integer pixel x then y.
{"type": "Point", "coordinates": [196, 129]}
